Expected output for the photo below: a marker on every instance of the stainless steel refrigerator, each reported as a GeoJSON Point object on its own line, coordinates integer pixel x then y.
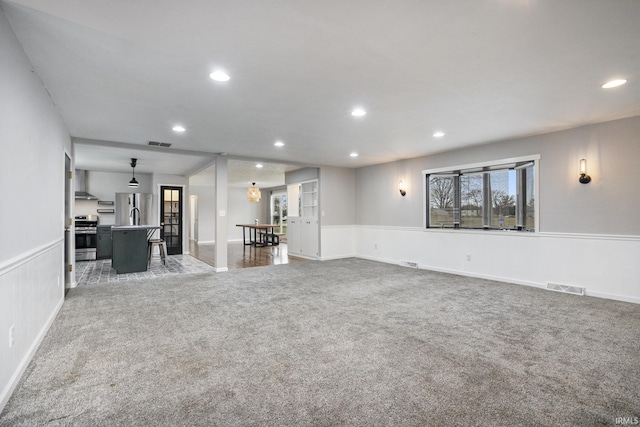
{"type": "Point", "coordinates": [133, 208]}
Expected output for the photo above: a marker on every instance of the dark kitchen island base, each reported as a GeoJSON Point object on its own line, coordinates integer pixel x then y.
{"type": "Point", "coordinates": [130, 244]}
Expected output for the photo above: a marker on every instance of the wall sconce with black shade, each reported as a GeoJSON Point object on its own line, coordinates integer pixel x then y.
{"type": "Point", "coordinates": [402, 188]}
{"type": "Point", "coordinates": [133, 183]}
{"type": "Point", "coordinates": [584, 178]}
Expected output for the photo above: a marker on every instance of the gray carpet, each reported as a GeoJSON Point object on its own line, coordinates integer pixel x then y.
{"type": "Point", "coordinates": [346, 342]}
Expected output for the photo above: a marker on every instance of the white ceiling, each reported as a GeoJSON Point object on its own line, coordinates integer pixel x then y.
{"type": "Point", "coordinates": [479, 70]}
{"type": "Point", "coordinates": [244, 173]}
{"type": "Point", "coordinates": [116, 157]}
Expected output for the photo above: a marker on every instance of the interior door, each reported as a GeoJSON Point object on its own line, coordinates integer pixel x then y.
{"type": "Point", "coordinates": [171, 222]}
{"type": "Point", "coordinates": [279, 211]}
{"type": "Point", "coordinates": [69, 239]}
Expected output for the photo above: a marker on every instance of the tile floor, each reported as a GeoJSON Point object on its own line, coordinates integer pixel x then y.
{"type": "Point", "coordinates": [100, 271]}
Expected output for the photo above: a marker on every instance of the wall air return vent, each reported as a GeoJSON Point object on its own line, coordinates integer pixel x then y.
{"type": "Point", "coordinates": [159, 144]}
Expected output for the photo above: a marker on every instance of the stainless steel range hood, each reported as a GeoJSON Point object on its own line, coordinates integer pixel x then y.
{"type": "Point", "coordinates": [81, 186]}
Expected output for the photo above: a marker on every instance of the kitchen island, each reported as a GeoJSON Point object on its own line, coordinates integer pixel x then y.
{"type": "Point", "coordinates": [130, 247]}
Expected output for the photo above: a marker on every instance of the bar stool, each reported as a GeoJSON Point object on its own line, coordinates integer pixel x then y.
{"type": "Point", "coordinates": [162, 247]}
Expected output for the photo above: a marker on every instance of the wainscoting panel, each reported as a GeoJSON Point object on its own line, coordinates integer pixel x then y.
{"type": "Point", "coordinates": [337, 241]}
{"type": "Point", "coordinates": [31, 293]}
{"type": "Point", "coordinates": [606, 266]}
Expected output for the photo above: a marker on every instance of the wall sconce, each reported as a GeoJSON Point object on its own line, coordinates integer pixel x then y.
{"type": "Point", "coordinates": [402, 188]}
{"type": "Point", "coordinates": [584, 178]}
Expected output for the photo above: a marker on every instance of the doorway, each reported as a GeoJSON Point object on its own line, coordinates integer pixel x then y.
{"type": "Point", "coordinates": [69, 239]}
{"type": "Point", "coordinates": [279, 211]}
{"type": "Point", "coordinates": [171, 218]}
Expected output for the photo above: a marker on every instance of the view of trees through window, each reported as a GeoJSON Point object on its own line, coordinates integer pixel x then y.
{"type": "Point", "coordinates": [497, 197]}
{"type": "Point", "coordinates": [279, 211]}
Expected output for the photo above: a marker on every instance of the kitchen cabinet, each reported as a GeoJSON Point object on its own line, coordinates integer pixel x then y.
{"type": "Point", "coordinates": [104, 246]}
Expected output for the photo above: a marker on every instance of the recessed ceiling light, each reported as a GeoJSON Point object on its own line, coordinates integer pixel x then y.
{"type": "Point", "coordinates": [259, 165]}
{"type": "Point", "coordinates": [219, 76]}
{"type": "Point", "coordinates": [438, 134]}
{"type": "Point", "coordinates": [179, 128]}
{"type": "Point", "coordinates": [354, 154]}
{"type": "Point", "coordinates": [358, 112]}
{"type": "Point", "coordinates": [613, 83]}
{"type": "Point", "coordinates": [279, 144]}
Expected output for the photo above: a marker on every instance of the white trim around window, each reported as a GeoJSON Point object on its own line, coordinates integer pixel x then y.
{"type": "Point", "coordinates": [470, 166]}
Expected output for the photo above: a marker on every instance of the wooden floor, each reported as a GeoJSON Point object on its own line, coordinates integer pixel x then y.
{"type": "Point", "coordinates": [241, 256]}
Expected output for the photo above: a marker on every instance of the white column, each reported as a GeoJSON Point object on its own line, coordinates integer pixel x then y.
{"type": "Point", "coordinates": [221, 213]}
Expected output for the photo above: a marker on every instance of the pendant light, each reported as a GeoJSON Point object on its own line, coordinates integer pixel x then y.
{"type": "Point", "coordinates": [133, 183]}
{"type": "Point", "coordinates": [253, 193]}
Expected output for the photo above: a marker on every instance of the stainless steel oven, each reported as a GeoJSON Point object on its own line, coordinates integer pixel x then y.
{"type": "Point", "coordinates": [86, 237]}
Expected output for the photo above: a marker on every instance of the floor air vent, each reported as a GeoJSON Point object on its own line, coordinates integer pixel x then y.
{"type": "Point", "coordinates": [575, 290]}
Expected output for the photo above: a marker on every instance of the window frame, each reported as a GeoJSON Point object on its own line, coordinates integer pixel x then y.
{"type": "Point", "coordinates": [489, 166]}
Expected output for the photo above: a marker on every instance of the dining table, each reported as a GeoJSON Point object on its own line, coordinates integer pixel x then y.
{"type": "Point", "coordinates": [259, 234]}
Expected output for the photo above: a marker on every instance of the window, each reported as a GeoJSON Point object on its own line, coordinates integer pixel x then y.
{"type": "Point", "coordinates": [494, 196]}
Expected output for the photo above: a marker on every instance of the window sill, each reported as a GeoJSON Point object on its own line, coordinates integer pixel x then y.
{"type": "Point", "coordinates": [482, 231]}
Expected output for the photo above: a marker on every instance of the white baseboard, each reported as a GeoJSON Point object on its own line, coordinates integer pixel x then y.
{"type": "Point", "coordinates": [311, 258]}
{"type": "Point", "coordinates": [492, 256]}
{"type": "Point", "coordinates": [588, 293]}
{"type": "Point", "coordinates": [329, 258]}
{"type": "Point", "coordinates": [484, 276]}
{"type": "Point", "coordinates": [622, 298]}
{"type": "Point", "coordinates": [371, 258]}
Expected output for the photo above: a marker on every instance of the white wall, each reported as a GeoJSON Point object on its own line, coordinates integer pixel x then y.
{"type": "Point", "coordinates": [607, 266]}
{"type": "Point", "coordinates": [337, 212]}
{"type": "Point", "coordinates": [608, 205]}
{"type": "Point", "coordinates": [242, 211]}
{"type": "Point", "coordinates": [337, 196]}
{"type": "Point", "coordinates": [206, 212]}
{"type": "Point", "coordinates": [239, 211]}
{"type": "Point", "coordinates": [589, 234]}
{"type": "Point", "coordinates": [33, 140]}
{"type": "Point", "coordinates": [105, 185]}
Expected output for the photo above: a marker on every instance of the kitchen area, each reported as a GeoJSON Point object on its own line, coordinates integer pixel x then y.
{"type": "Point", "coordinates": [118, 232]}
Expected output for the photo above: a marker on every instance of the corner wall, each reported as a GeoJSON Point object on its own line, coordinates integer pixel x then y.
{"type": "Point", "coordinates": [589, 234]}
{"type": "Point", "coordinates": [33, 141]}
{"type": "Point", "coordinates": [337, 212]}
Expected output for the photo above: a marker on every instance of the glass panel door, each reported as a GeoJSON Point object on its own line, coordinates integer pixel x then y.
{"type": "Point", "coordinates": [279, 211]}
{"type": "Point", "coordinates": [171, 214]}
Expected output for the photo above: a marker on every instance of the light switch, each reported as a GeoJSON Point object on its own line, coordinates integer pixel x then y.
{"type": "Point", "coordinates": [223, 213]}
